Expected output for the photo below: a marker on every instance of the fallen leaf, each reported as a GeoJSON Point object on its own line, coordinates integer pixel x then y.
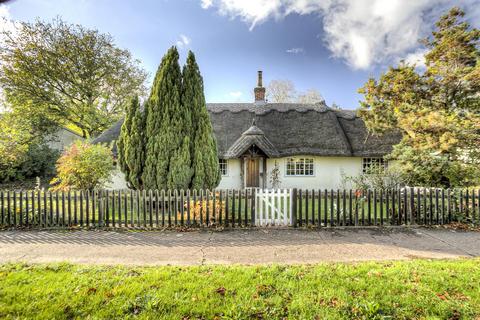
{"type": "Point", "coordinates": [91, 290]}
{"type": "Point", "coordinates": [221, 291]}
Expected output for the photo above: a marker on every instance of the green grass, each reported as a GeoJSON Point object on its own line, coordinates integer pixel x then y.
{"type": "Point", "coordinates": [419, 289]}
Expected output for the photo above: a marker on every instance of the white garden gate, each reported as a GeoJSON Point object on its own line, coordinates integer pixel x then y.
{"type": "Point", "coordinates": [273, 207]}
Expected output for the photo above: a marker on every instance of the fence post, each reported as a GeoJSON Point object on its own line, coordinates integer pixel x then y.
{"type": "Point", "coordinates": [252, 209]}
{"type": "Point", "coordinates": [294, 207]}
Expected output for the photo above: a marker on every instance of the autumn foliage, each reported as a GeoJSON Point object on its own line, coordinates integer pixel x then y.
{"type": "Point", "coordinates": [83, 166]}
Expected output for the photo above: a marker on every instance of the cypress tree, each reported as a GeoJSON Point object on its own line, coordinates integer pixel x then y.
{"type": "Point", "coordinates": [167, 126]}
{"type": "Point", "coordinates": [180, 174]}
{"type": "Point", "coordinates": [131, 145]}
{"type": "Point", "coordinates": [135, 151]}
{"type": "Point", "coordinates": [205, 168]}
{"type": "Point", "coordinates": [124, 136]}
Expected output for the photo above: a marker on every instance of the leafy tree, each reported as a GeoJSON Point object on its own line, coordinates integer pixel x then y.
{"type": "Point", "coordinates": [206, 171]}
{"type": "Point", "coordinates": [67, 75]}
{"type": "Point", "coordinates": [12, 148]}
{"type": "Point", "coordinates": [39, 161]}
{"type": "Point", "coordinates": [281, 91]}
{"type": "Point", "coordinates": [23, 155]}
{"type": "Point", "coordinates": [167, 127]}
{"type": "Point", "coordinates": [310, 96]}
{"type": "Point", "coordinates": [437, 110]}
{"type": "Point", "coordinates": [284, 91]}
{"type": "Point", "coordinates": [83, 166]}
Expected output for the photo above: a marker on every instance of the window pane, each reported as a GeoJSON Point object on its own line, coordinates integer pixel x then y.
{"type": "Point", "coordinates": [223, 166]}
{"type": "Point", "coordinates": [299, 167]}
{"type": "Point", "coordinates": [373, 165]}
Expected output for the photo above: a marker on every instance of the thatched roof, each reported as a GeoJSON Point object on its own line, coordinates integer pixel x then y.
{"type": "Point", "coordinates": [288, 129]}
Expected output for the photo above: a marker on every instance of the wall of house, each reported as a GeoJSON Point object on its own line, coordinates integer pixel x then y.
{"type": "Point", "coordinates": [62, 139]}
{"type": "Point", "coordinates": [327, 172]}
{"type": "Point", "coordinates": [232, 180]}
{"type": "Point", "coordinates": [117, 181]}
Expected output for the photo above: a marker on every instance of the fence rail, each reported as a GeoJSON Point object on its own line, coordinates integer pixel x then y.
{"type": "Point", "coordinates": [235, 208]}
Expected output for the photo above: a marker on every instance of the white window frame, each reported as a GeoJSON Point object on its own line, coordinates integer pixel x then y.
{"type": "Point", "coordinates": [369, 162]}
{"type": "Point", "coordinates": [225, 166]}
{"type": "Point", "coordinates": [300, 164]}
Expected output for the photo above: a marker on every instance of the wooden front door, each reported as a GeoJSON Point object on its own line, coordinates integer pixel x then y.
{"type": "Point", "coordinates": [253, 173]}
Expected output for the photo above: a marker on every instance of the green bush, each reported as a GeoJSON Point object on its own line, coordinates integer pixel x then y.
{"type": "Point", "coordinates": [83, 166]}
{"type": "Point", "coordinates": [37, 161]}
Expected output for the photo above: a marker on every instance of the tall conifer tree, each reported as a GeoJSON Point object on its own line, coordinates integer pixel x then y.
{"type": "Point", "coordinates": [135, 153]}
{"type": "Point", "coordinates": [125, 136]}
{"type": "Point", "coordinates": [131, 145]}
{"type": "Point", "coordinates": [167, 128]}
{"type": "Point", "coordinates": [205, 168]}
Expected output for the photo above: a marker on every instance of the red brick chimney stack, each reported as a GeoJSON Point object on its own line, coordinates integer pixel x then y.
{"type": "Point", "coordinates": [259, 89]}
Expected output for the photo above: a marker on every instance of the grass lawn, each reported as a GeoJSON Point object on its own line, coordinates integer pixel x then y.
{"type": "Point", "coordinates": [391, 290]}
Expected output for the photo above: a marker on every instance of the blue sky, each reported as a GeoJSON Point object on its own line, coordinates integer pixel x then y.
{"type": "Point", "coordinates": [330, 45]}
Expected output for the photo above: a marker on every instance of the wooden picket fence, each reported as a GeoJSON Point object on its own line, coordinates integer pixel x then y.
{"type": "Point", "coordinates": [236, 208]}
{"type": "Point", "coordinates": [405, 206]}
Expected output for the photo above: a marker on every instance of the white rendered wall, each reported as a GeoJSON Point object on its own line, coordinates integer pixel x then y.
{"type": "Point", "coordinates": [233, 179]}
{"type": "Point", "coordinates": [117, 181]}
{"type": "Point", "coordinates": [62, 139]}
{"type": "Point", "coordinates": [327, 172]}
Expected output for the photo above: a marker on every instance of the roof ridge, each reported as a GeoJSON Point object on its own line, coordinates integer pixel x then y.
{"type": "Point", "coordinates": [218, 107]}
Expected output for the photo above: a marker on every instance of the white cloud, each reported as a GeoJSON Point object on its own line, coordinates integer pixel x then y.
{"type": "Point", "coordinates": [295, 50]}
{"type": "Point", "coordinates": [235, 94]}
{"type": "Point", "coordinates": [6, 22]}
{"type": "Point", "coordinates": [361, 32]}
{"type": "Point", "coordinates": [184, 41]}
{"type": "Point", "coordinates": [416, 58]}
{"type": "Point", "coordinates": [206, 4]}
{"type": "Point", "coordinates": [4, 11]}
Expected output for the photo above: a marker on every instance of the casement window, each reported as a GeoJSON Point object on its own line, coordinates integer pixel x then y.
{"type": "Point", "coordinates": [299, 167]}
{"type": "Point", "coordinates": [223, 166]}
{"type": "Point", "coordinates": [374, 165]}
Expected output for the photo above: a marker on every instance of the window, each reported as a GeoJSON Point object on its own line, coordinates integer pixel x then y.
{"type": "Point", "coordinates": [223, 166]}
{"type": "Point", "coordinates": [374, 165]}
{"type": "Point", "coordinates": [299, 167]}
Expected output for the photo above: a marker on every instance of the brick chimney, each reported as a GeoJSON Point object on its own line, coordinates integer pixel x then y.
{"type": "Point", "coordinates": [259, 90]}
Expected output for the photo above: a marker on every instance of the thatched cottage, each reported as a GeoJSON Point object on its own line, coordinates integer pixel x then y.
{"type": "Point", "coordinates": [307, 145]}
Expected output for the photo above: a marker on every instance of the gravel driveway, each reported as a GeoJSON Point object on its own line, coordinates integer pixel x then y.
{"type": "Point", "coordinates": [255, 246]}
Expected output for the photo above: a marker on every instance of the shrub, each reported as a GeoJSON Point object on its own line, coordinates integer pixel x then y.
{"type": "Point", "coordinates": [83, 166]}
{"type": "Point", "coordinates": [391, 178]}
{"type": "Point", "coordinates": [38, 160]}
{"type": "Point", "coordinates": [198, 209]}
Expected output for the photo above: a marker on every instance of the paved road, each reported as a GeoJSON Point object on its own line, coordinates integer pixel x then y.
{"type": "Point", "coordinates": [237, 246]}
